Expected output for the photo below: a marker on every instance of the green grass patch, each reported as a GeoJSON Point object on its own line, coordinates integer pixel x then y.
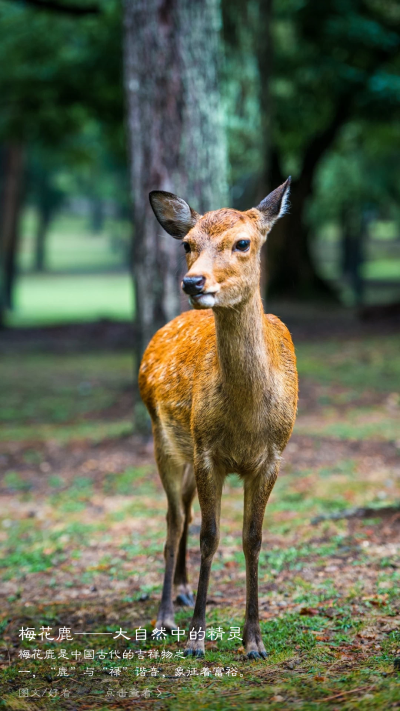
{"type": "Point", "coordinates": [356, 424]}
{"type": "Point", "coordinates": [370, 363]}
{"type": "Point", "coordinates": [89, 431]}
{"type": "Point", "coordinates": [71, 243]}
{"type": "Point", "coordinates": [60, 389]}
{"type": "Point", "coordinates": [52, 299]}
{"type": "Point", "coordinates": [382, 269]}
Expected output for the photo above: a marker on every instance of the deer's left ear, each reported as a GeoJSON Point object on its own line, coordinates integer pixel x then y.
{"type": "Point", "coordinates": [173, 213]}
{"type": "Point", "coordinates": [275, 205]}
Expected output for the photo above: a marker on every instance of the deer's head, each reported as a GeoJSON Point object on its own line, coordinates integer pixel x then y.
{"type": "Point", "coordinates": [222, 247]}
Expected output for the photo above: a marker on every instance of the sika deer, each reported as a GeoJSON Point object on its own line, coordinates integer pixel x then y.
{"type": "Point", "coordinates": [220, 384]}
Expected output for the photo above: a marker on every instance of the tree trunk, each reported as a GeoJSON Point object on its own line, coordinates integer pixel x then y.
{"type": "Point", "coordinates": [48, 201]}
{"type": "Point", "coordinates": [265, 57]}
{"type": "Point", "coordinates": [41, 235]}
{"type": "Point", "coordinates": [176, 138]}
{"type": "Point", "coordinates": [11, 197]}
{"type": "Point", "coordinates": [354, 234]}
{"type": "Point", "coordinates": [291, 272]}
{"type": "Point", "coordinates": [96, 215]}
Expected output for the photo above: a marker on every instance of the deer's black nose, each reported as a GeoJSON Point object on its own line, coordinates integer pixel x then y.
{"type": "Point", "coordinates": [193, 285]}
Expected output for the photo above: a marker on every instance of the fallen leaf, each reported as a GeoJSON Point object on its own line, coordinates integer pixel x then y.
{"type": "Point", "coordinates": [212, 646]}
{"type": "Point", "coordinates": [231, 564]}
{"type": "Point", "coordinates": [367, 634]}
{"type": "Point", "coordinates": [310, 611]}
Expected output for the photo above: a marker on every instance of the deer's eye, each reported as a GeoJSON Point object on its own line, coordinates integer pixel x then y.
{"type": "Point", "coordinates": [242, 246]}
{"type": "Point", "coordinates": [186, 247]}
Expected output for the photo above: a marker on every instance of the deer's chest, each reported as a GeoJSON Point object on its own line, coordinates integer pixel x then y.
{"type": "Point", "coordinates": [240, 434]}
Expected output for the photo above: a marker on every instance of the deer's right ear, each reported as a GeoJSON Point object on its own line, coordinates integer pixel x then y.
{"type": "Point", "coordinates": [173, 213]}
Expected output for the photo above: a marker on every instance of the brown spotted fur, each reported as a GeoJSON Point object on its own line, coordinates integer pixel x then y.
{"type": "Point", "coordinates": [220, 385]}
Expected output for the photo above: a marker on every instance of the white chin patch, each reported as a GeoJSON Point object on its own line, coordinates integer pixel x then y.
{"type": "Point", "coordinates": [202, 301]}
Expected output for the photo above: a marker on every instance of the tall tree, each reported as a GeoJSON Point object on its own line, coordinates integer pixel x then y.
{"type": "Point", "coordinates": [12, 165]}
{"type": "Point", "coordinates": [321, 67]}
{"type": "Point", "coordinates": [176, 137]}
{"type": "Point", "coordinates": [332, 62]}
{"type": "Point", "coordinates": [60, 75]}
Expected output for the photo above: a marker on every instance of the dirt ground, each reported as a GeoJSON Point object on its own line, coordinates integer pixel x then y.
{"type": "Point", "coordinates": [82, 525]}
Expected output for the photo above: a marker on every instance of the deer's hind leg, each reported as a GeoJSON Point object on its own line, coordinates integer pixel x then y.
{"type": "Point", "coordinates": [171, 473]}
{"type": "Point", "coordinates": [184, 591]}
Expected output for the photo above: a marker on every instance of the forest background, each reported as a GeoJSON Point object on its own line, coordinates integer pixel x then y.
{"type": "Point", "coordinates": [218, 101]}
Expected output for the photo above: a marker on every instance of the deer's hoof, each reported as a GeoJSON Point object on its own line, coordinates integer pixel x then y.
{"type": "Point", "coordinates": [167, 623]}
{"type": "Point", "coordinates": [198, 653]}
{"type": "Point", "coordinates": [256, 655]}
{"type": "Point", "coordinates": [185, 599]}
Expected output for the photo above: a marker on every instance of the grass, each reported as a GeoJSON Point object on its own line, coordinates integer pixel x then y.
{"type": "Point", "coordinates": [87, 431]}
{"type": "Point", "coordinates": [82, 530]}
{"type": "Point", "coordinates": [355, 388]}
{"type": "Point", "coordinates": [359, 424]}
{"type": "Point", "coordinates": [358, 365]}
{"type": "Point", "coordinates": [66, 398]}
{"type": "Point", "coordinates": [61, 389]}
{"type": "Point", "coordinates": [382, 269]}
{"type": "Point", "coordinates": [72, 289]}
{"type": "Point", "coordinates": [47, 299]}
{"type": "Point", "coordinates": [71, 244]}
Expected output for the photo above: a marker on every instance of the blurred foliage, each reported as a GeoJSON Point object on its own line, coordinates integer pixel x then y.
{"type": "Point", "coordinates": [312, 90]}
{"type": "Point", "coordinates": [322, 55]}
{"type": "Point", "coordinates": [58, 74]}
{"type": "Point", "coordinates": [62, 91]}
{"type": "Point", "coordinates": [62, 97]}
{"type": "Point", "coordinates": [308, 88]}
{"type": "Point", "coordinates": [362, 171]}
{"type": "Point", "coordinates": [326, 52]}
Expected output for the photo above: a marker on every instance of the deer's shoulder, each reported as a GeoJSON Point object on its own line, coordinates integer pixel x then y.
{"type": "Point", "coordinates": [182, 333]}
{"type": "Point", "coordinates": [174, 351]}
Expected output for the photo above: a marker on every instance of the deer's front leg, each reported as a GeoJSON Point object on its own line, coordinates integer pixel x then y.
{"type": "Point", "coordinates": [185, 595]}
{"type": "Point", "coordinates": [171, 475]}
{"type": "Point", "coordinates": [256, 493]}
{"type": "Point", "coordinates": [209, 488]}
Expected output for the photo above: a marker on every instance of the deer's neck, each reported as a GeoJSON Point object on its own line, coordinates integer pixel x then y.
{"type": "Point", "coordinates": [242, 350]}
